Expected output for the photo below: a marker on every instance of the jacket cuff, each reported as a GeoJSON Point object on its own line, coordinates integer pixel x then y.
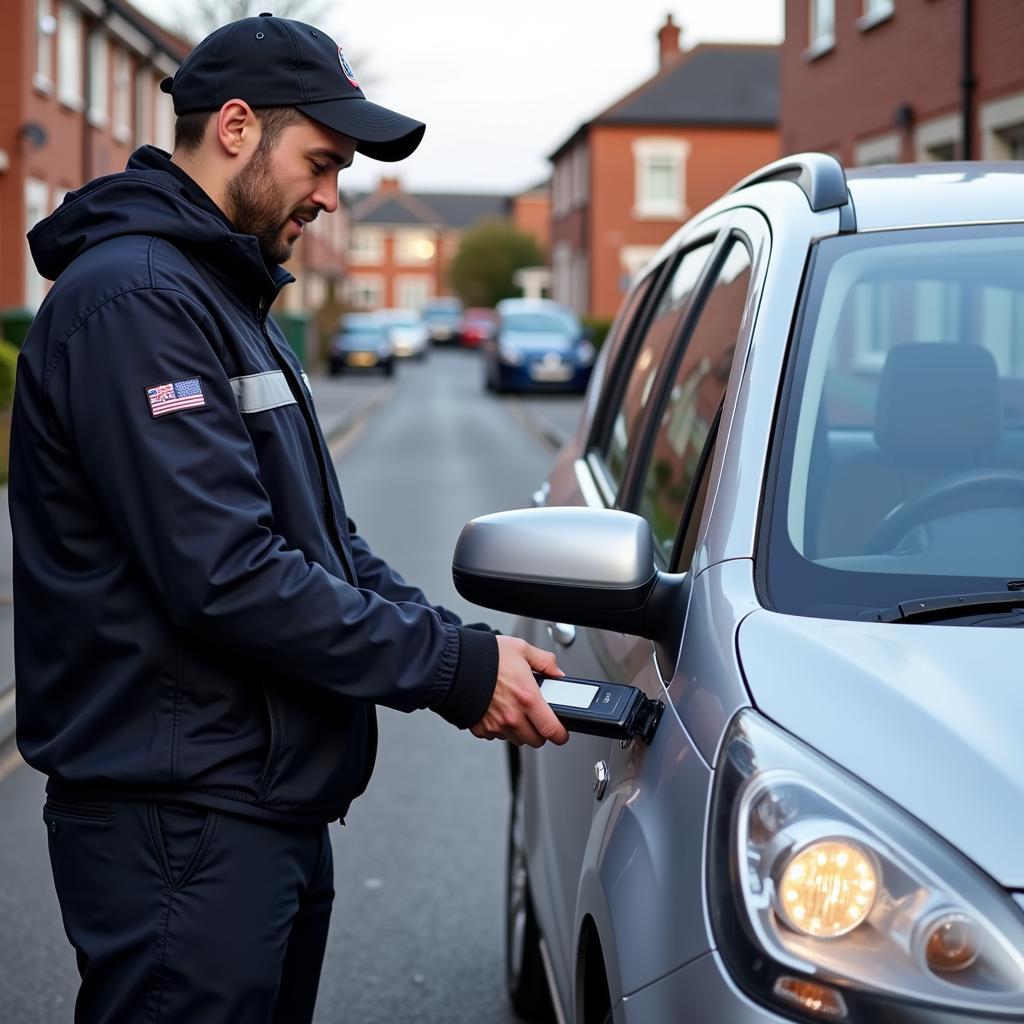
{"type": "Point", "coordinates": [476, 675]}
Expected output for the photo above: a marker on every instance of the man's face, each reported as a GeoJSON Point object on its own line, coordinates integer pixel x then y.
{"type": "Point", "coordinates": [285, 185]}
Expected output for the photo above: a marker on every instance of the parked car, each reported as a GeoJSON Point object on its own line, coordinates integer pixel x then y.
{"type": "Point", "coordinates": [407, 332]}
{"type": "Point", "coordinates": [479, 323]}
{"type": "Point", "coordinates": [361, 343]}
{"type": "Point", "coordinates": [539, 346]}
{"type": "Point", "coordinates": [793, 513]}
{"type": "Point", "coordinates": [443, 318]}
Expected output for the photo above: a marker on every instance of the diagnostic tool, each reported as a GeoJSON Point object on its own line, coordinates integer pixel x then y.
{"type": "Point", "coordinates": [601, 709]}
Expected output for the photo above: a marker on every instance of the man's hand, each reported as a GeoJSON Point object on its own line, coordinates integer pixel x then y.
{"type": "Point", "coordinates": [517, 712]}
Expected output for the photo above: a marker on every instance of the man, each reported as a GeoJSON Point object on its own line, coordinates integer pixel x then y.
{"type": "Point", "coordinates": [201, 635]}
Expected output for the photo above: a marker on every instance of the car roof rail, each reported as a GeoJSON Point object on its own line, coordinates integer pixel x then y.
{"type": "Point", "coordinates": [821, 178]}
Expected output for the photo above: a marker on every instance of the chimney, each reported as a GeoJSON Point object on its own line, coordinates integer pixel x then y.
{"type": "Point", "coordinates": [668, 42]}
{"type": "Point", "coordinates": [389, 185]}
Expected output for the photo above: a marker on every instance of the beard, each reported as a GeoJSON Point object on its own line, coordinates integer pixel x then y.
{"type": "Point", "coordinates": [259, 207]}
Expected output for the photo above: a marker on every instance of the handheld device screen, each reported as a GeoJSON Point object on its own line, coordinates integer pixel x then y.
{"type": "Point", "coordinates": [569, 695]}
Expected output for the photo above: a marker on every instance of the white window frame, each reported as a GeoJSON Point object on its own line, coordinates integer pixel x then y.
{"type": "Point", "coordinates": [997, 118]}
{"type": "Point", "coordinates": [406, 240]}
{"type": "Point", "coordinates": [69, 57]}
{"type": "Point", "coordinates": [366, 245]}
{"type": "Point", "coordinates": [46, 29]}
{"type": "Point", "coordinates": [875, 12]}
{"type": "Point", "coordinates": [37, 206]}
{"type": "Point", "coordinates": [163, 130]}
{"type": "Point", "coordinates": [821, 28]}
{"type": "Point", "coordinates": [940, 131]}
{"type": "Point", "coordinates": [880, 149]}
{"type": "Point", "coordinates": [633, 259]}
{"type": "Point", "coordinates": [99, 76]}
{"type": "Point", "coordinates": [647, 151]}
{"type": "Point", "coordinates": [562, 263]}
{"type": "Point", "coordinates": [143, 106]}
{"type": "Point", "coordinates": [371, 283]}
{"type": "Point", "coordinates": [121, 102]}
{"type": "Point", "coordinates": [412, 290]}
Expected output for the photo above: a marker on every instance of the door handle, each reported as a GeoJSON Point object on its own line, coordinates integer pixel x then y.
{"type": "Point", "coordinates": [562, 633]}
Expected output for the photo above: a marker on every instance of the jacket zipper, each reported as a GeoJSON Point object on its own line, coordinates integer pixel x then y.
{"type": "Point", "coordinates": [330, 519]}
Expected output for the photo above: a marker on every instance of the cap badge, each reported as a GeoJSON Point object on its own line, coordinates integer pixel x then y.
{"type": "Point", "coordinates": [347, 68]}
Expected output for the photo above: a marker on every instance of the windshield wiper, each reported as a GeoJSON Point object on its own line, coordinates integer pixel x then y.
{"type": "Point", "coordinates": [932, 609]}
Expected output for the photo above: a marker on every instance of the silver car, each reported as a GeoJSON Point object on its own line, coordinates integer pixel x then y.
{"type": "Point", "coordinates": [793, 512]}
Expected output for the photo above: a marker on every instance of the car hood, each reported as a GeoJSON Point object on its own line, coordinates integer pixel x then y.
{"type": "Point", "coordinates": [929, 715]}
{"type": "Point", "coordinates": [536, 341]}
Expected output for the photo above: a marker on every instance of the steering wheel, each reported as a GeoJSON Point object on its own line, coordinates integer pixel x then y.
{"type": "Point", "coordinates": [958, 492]}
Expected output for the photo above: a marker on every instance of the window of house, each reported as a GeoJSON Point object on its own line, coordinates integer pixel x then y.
{"type": "Point", "coordinates": [46, 29]}
{"type": "Point", "coordinates": [69, 57]}
{"type": "Point", "coordinates": [366, 291]}
{"type": "Point", "coordinates": [692, 403]}
{"type": "Point", "coordinates": [411, 292]}
{"type": "Point", "coordinates": [37, 206]}
{"type": "Point", "coordinates": [1002, 128]}
{"type": "Point", "coordinates": [122, 94]}
{"type": "Point", "coordinates": [646, 360]}
{"type": "Point", "coordinates": [660, 171]}
{"type": "Point", "coordinates": [877, 9]}
{"type": "Point", "coordinates": [823, 24]}
{"type": "Point", "coordinates": [98, 92]}
{"type": "Point", "coordinates": [939, 138]}
{"type": "Point", "coordinates": [163, 135]}
{"type": "Point", "coordinates": [412, 247]}
{"type": "Point", "coordinates": [143, 106]}
{"type": "Point", "coordinates": [879, 149]}
{"type": "Point", "coordinates": [367, 245]}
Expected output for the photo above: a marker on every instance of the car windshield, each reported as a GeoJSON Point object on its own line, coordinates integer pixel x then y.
{"type": "Point", "coordinates": [539, 323]}
{"type": "Point", "coordinates": [448, 311]}
{"type": "Point", "coordinates": [900, 453]}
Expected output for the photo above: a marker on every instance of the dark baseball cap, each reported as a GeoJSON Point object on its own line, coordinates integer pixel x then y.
{"type": "Point", "coordinates": [276, 62]}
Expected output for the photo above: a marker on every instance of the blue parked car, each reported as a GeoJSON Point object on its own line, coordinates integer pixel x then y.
{"type": "Point", "coordinates": [363, 341]}
{"type": "Point", "coordinates": [539, 346]}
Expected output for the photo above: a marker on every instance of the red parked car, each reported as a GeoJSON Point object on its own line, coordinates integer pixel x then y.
{"type": "Point", "coordinates": [478, 324]}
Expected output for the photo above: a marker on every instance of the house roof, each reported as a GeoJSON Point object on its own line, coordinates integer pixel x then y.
{"type": "Point", "coordinates": [438, 209]}
{"type": "Point", "coordinates": [712, 84]}
{"type": "Point", "coordinates": [174, 45]}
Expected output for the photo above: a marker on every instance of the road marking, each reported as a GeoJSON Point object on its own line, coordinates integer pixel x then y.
{"type": "Point", "coordinates": [342, 443]}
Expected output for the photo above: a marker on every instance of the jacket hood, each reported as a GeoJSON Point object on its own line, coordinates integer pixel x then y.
{"type": "Point", "coordinates": [152, 198]}
{"type": "Point", "coordinates": [929, 715]}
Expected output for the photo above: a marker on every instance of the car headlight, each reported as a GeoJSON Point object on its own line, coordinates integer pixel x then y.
{"type": "Point", "coordinates": [831, 902]}
{"type": "Point", "coordinates": [585, 353]}
{"type": "Point", "coordinates": [512, 356]}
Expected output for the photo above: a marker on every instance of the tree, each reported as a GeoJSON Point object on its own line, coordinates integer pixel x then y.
{"type": "Point", "coordinates": [481, 272]}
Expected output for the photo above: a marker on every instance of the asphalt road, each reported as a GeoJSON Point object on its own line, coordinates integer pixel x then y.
{"type": "Point", "coordinates": [416, 935]}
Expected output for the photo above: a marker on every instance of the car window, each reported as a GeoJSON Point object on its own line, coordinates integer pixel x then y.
{"type": "Point", "coordinates": [691, 404]}
{"type": "Point", "coordinates": [646, 359]}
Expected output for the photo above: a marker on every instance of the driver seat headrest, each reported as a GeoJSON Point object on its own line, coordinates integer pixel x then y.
{"type": "Point", "coordinates": [938, 399]}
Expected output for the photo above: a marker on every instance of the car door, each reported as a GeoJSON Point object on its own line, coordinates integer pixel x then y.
{"type": "Point", "coordinates": [561, 780]}
{"type": "Point", "coordinates": [670, 483]}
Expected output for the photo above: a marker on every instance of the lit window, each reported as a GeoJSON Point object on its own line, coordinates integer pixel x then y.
{"type": "Point", "coordinates": [414, 247]}
{"type": "Point", "coordinates": [69, 52]}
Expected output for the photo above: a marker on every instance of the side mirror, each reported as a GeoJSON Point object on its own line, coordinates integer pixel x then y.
{"type": "Point", "coordinates": [588, 567]}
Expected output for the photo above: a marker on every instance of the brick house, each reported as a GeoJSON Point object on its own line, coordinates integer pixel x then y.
{"type": "Point", "coordinates": [627, 178]}
{"type": "Point", "coordinates": [402, 242]}
{"type": "Point", "coordinates": [80, 81]}
{"type": "Point", "coordinates": [882, 81]}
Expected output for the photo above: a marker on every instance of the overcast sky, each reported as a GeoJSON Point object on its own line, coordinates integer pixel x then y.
{"type": "Point", "coordinates": [500, 86]}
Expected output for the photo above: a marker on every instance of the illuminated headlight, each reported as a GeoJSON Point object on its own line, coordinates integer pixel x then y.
{"type": "Point", "coordinates": [829, 901]}
{"type": "Point", "coordinates": [511, 356]}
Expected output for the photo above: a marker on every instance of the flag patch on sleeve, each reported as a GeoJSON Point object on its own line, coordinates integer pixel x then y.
{"type": "Point", "coordinates": [175, 396]}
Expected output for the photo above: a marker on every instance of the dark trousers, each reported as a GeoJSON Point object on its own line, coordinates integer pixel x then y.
{"type": "Point", "coordinates": [179, 914]}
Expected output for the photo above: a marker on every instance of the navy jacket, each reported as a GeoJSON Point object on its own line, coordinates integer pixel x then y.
{"type": "Point", "coordinates": [195, 616]}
